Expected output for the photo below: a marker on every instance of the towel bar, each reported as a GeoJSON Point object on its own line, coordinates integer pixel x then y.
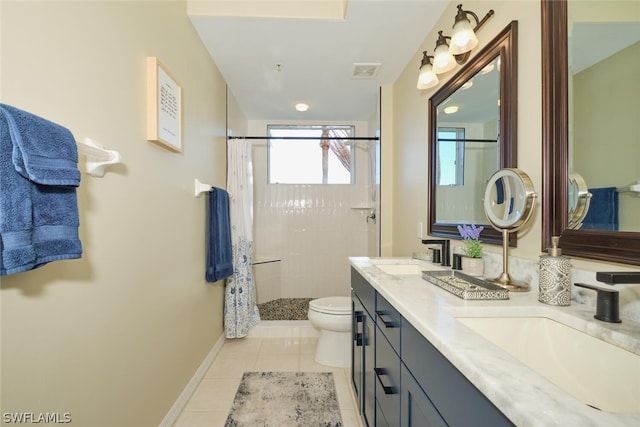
{"type": "Point", "coordinates": [201, 188]}
{"type": "Point", "coordinates": [97, 157]}
{"type": "Point", "coordinates": [633, 188]}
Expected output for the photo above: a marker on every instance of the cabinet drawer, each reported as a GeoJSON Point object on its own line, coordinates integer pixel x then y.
{"type": "Point", "coordinates": [387, 372]}
{"type": "Point", "coordinates": [388, 320]}
{"type": "Point", "coordinates": [363, 289]}
{"type": "Point", "coordinates": [445, 385]}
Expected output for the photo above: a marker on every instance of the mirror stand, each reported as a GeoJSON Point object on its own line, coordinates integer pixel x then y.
{"type": "Point", "coordinates": [508, 204]}
{"type": "Point", "coordinates": [504, 280]}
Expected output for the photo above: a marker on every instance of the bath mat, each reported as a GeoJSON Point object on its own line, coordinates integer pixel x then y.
{"type": "Point", "coordinates": [285, 399]}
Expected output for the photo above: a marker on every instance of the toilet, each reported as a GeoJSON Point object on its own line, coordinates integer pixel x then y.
{"type": "Point", "coordinates": [332, 315]}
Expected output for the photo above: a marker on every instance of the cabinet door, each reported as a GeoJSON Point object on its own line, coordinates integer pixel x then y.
{"type": "Point", "coordinates": [387, 382]}
{"type": "Point", "coordinates": [357, 346]}
{"type": "Point", "coordinates": [417, 409]}
{"type": "Point", "coordinates": [369, 385]}
{"type": "Point", "coordinates": [445, 385]}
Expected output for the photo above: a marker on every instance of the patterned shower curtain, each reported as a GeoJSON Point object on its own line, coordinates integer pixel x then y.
{"type": "Point", "coordinates": [240, 309]}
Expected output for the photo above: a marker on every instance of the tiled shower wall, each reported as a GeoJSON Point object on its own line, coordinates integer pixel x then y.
{"type": "Point", "coordinates": [311, 230]}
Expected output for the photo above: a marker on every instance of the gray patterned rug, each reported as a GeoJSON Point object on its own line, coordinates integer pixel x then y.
{"type": "Point", "coordinates": [285, 399]}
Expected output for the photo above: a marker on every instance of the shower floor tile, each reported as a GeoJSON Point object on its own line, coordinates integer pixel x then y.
{"type": "Point", "coordinates": [285, 309]}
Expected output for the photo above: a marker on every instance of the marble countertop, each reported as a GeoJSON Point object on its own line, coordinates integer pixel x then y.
{"type": "Point", "coordinates": [523, 395]}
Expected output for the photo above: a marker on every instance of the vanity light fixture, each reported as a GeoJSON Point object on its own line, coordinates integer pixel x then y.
{"type": "Point", "coordinates": [464, 37]}
{"type": "Point", "coordinates": [446, 54]}
{"type": "Point", "coordinates": [443, 61]}
{"type": "Point", "coordinates": [426, 78]}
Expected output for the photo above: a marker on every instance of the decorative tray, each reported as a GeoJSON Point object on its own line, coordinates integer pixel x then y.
{"type": "Point", "coordinates": [465, 286]}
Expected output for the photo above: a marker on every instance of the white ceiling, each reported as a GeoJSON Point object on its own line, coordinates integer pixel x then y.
{"type": "Point", "coordinates": [316, 57]}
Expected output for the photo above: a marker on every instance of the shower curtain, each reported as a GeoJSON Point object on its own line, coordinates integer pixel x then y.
{"type": "Point", "coordinates": [240, 309]}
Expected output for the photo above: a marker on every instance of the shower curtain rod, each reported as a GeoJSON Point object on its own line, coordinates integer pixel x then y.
{"type": "Point", "coordinates": [350, 138]}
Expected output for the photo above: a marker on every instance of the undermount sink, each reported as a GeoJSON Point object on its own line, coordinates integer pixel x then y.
{"type": "Point", "coordinates": [401, 269]}
{"type": "Point", "coordinates": [596, 373]}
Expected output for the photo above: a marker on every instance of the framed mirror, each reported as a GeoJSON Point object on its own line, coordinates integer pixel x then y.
{"type": "Point", "coordinates": [572, 145]}
{"type": "Point", "coordinates": [473, 133]}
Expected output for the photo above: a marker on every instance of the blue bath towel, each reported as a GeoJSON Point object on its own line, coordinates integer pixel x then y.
{"type": "Point", "coordinates": [43, 151]}
{"type": "Point", "coordinates": [603, 210]}
{"type": "Point", "coordinates": [219, 249]}
{"type": "Point", "coordinates": [38, 204]}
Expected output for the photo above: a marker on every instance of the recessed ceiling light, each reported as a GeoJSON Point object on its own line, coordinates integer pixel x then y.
{"type": "Point", "coordinates": [452, 109]}
{"type": "Point", "coordinates": [302, 106]}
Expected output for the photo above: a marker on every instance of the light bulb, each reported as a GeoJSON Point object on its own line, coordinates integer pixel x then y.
{"type": "Point", "coordinates": [427, 78]}
{"type": "Point", "coordinates": [463, 38]}
{"type": "Point", "coordinates": [443, 61]}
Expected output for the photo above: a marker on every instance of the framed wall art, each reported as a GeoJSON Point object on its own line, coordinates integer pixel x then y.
{"type": "Point", "coordinates": [164, 107]}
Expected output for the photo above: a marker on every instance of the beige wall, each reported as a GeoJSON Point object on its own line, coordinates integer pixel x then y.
{"type": "Point", "coordinates": [114, 337]}
{"type": "Point", "coordinates": [606, 150]}
{"type": "Point", "coordinates": [410, 189]}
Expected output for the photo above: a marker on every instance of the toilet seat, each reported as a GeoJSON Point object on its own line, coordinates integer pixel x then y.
{"type": "Point", "coordinates": [331, 305]}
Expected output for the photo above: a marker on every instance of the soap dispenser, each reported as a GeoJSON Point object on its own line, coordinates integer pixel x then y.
{"type": "Point", "coordinates": [555, 276]}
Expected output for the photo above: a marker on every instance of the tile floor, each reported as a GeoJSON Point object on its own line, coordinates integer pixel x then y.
{"type": "Point", "coordinates": [210, 403]}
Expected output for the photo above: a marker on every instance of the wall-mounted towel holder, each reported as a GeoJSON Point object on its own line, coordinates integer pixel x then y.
{"type": "Point", "coordinates": [201, 188]}
{"type": "Point", "coordinates": [97, 157]}
{"type": "Point", "coordinates": [633, 188]}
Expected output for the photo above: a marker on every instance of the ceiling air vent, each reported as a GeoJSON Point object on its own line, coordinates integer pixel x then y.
{"type": "Point", "coordinates": [365, 70]}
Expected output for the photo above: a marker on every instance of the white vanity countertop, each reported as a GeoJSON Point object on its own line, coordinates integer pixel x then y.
{"type": "Point", "coordinates": [524, 396]}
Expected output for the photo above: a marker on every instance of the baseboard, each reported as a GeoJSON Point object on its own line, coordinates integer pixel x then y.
{"type": "Point", "coordinates": [175, 411]}
{"type": "Point", "coordinates": [284, 329]}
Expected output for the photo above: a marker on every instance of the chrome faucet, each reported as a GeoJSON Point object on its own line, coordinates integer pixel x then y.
{"type": "Point", "coordinates": [444, 256]}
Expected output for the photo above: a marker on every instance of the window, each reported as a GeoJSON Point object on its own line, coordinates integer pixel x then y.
{"type": "Point", "coordinates": [450, 156]}
{"type": "Point", "coordinates": [302, 156]}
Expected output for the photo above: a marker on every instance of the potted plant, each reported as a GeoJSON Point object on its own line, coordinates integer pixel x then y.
{"type": "Point", "coordinates": [472, 263]}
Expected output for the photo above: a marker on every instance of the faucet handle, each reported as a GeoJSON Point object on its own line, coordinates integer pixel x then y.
{"type": "Point", "coordinates": [607, 303]}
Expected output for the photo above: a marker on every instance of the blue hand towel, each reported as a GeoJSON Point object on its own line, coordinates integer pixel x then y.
{"type": "Point", "coordinates": [38, 204]}
{"type": "Point", "coordinates": [219, 249]}
{"type": "Point", "coordinates": [603, 210]}
{"type": "Point", "coordinates": [16, 251]}
{"type": "Point", "coordinates": [43, 151]}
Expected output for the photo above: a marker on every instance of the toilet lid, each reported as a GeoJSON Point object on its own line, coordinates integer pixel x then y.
{"type": "Point", "coordinates": [331, 305]}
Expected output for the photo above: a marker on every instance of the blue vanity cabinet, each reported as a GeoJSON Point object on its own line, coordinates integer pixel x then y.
{"type": "Point", "coordinates": [458, 402]}
{"type": "Point", "coordinates": [362, 346]}
{"type": "Point", "coordinates": [417, 410]}
{"type": "Point", "coordinates": [387, 368]}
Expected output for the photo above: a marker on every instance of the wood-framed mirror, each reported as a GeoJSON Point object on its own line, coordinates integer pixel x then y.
{"type": "Point", "coordinates": [466, 149]}
{"type": "Point", "coordinates": [599, 244]}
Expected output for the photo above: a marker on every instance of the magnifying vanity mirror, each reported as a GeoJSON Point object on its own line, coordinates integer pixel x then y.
{"type": "Point", "coordinates": [473, 133]}
{"type": "Point", "coordinates": [579, 200]}
{"type": "Point", "coordinates": [589, 120]}
{"type": "Point", "coordinates": [508, 203]}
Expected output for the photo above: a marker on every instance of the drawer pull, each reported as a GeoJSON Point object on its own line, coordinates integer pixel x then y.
{"type": "Point", "coordinates": [387, 323]}
{"type": "Point", "coordinates": [358, 339]}
{"type": "Point", "coordinates": [358, 317]}
{"type": "Point", "coordinates": [387, 389]}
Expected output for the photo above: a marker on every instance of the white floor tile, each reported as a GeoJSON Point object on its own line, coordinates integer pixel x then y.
{"type": "Point", "coordinates": [232, 365]}
{"type": "Point", "coordinates": [277, 362]}
{"type": "Point", "coordinates": [202, 419]}
{"type": "Point", "coordinates": [211, 402]}
{"type": "Point", "coordinates": [288, 345]}
{"type": "Point", "coordinates": [213, 395]}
